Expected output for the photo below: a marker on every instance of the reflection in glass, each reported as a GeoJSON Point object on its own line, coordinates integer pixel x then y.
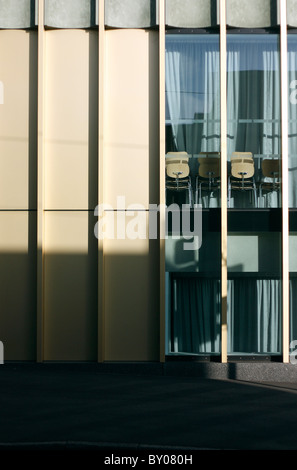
{"type": "Point", "coordinates": [254, 193]}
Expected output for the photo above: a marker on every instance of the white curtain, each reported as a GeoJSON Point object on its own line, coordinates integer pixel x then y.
{"type": "Point", "coordinates": [253, 94]}
{"type": "Point", "coordinates": [192, 92]}
{"type": "Point", "coordinates": [173, 92]}
{"type": "Point", "coordinates": [253, 104]}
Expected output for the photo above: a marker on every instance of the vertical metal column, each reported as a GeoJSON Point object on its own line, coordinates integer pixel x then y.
{"type": "Point", "coordinates": [223, 90]}
{"type": "Point", "coordinates": [40, 184]}
{"type": "Point", "coordinates": [101, 72]}
{"type": "Point", "coordinates": [162, 172]}
{"type": "Point", "coordinates": [285, 176]}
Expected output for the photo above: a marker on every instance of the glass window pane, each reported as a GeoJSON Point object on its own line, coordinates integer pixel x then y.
{"type": "Point", "coordinates": [193, 178]}
{"type": "Point", "coordinates": [292, 163]}
{"type": "Point", "coordinates": [254, 195]}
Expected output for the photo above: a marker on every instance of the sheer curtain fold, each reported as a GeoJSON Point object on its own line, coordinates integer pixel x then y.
{"type": "Point", "coordinates": [192, 93]}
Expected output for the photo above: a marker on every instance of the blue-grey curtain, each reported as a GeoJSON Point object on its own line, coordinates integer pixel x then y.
{"type": "Point", "coordinates": [195, 320]}
{"type": "Point", "coordinates": [253, 316]}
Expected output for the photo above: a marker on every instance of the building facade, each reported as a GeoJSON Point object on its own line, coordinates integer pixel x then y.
{"type": "Point", "coordinates": [148, 176]}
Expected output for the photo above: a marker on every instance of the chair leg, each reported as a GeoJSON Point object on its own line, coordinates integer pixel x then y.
{"type": "Point", "coordinates": [196, 191]}
{"type": "Point", "coordinates": [229, 193]}
{"type": "Point", "coordinates": [190, 195]}
{"type": "Point", "coordinates": [255, 194]}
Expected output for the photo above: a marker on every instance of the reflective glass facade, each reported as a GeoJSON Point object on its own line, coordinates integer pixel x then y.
{"type": "Point", "coordinates": [254, 192]}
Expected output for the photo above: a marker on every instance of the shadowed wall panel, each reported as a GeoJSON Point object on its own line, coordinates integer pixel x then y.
{"type": "Point", "coordinates": [131, 113]}
{"type": "Point", "coordinates": [131, 292]}
{"type": "Point", "coordinates": [70, 327]}
{"type": "Point", "coordinates": [71, 142]}
{"type": "Point", "coordinates": [18, 115]}
{"type": "Point", "coordinates": [18, 284]}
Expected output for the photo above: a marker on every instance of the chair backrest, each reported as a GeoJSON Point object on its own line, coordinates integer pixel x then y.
{"type": "Point", "coordinates": [271, 168]}
{"type": "Point", "coordinates": [177, 165]}
{"type": "Point", "coordinates": [177, 169]}
{"type": "Point", "coordinates": [209, 165]}
{"type": "Point", "coordinates": [242, 165]}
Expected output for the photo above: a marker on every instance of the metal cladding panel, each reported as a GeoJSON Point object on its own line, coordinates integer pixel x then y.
{"type": "Point", "coordinates": [130, 13]}
{"type": "Point", "coordinates": [191, 13]}
{"type": "Point", "coordinates": [251, 13]}
{"type": "Point", "coordinates": [70, 13]}
{"type": "Point", "coordinates": [17, 14]}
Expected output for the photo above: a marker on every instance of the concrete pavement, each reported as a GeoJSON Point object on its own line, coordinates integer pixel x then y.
{"type": "Point", "coordinates": [45, 406]}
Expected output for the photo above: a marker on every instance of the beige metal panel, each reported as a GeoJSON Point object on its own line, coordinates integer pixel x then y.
{"type": "Point", "coordinates": [131, 296]}
{"type": "Point", "coordinates": [285, 178]}
{"type": "Point", "coordinates": [101, 135]}
{"type": "Point", "coordinates": [71, 107]}
{"type": "Point", "coordinates": [162, 198]}
{"type": "Point", "coordinates": [40, 181]}
{"type": "Point", "coordinates": [224, 233]}
{"type": "Point", "coordinates": [18, 284]}
{"type": "Point", "coordinates": [131, 113]}
{"type": "Point", "coordinates": [18, 113]}
{"type": "Point", "coordinates": [70, 286]}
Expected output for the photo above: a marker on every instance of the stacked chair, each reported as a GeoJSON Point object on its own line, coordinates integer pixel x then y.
{"type": "Point", "coordinates": [242, 177]}
{"type": "Point", "coordinates": [178, 173]}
